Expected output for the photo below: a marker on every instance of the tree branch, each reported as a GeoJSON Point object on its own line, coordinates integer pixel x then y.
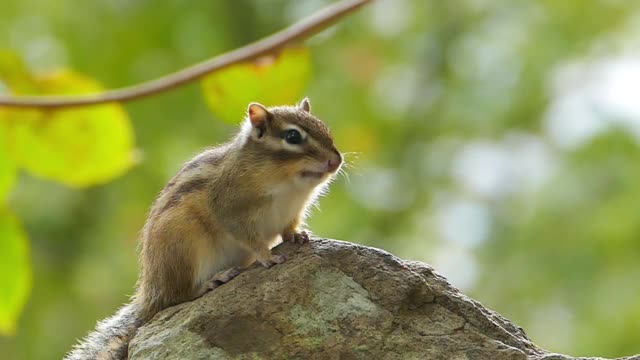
{"type": "Point", "coordinates": [296, 32]}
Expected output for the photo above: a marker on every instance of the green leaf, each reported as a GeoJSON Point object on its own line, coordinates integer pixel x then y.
{"type": "Point", "coordinates": [75, 146]}
{"type": "Point", "coordinates": [15, 271]}
{"type": "Point", "coordinates": [7, 166]}
{"type": "Point", "coordinates": [273, 80]}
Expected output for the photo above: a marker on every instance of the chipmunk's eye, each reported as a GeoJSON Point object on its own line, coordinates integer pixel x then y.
{"type": "Point", "coordinates": [293, 137]}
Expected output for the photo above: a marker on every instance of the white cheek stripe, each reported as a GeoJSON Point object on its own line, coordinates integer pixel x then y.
{"type": "Point", "coordinates": [289, 147]}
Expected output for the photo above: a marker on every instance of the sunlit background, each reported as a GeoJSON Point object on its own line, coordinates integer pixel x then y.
{"type": "Point", "coordinates": [498, 141]}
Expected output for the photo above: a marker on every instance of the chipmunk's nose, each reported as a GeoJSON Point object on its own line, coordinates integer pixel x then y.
{"type": "Point", "coordinates": [334, 163]}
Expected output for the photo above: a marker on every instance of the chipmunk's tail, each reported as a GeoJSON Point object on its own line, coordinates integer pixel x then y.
{"type": "Point", "coordinates": [110, 340]}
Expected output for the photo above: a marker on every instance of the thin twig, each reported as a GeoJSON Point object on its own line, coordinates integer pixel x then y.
{"type": "Point", "coordinates": [296, 32]}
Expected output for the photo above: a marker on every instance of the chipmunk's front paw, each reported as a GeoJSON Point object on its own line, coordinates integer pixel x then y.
{"type": "Point", "coordinates": [301, 237]}
{"type": "Point", "coordinates": [274, 259]}
{"type": "Point", "coordinates": [296, 237]}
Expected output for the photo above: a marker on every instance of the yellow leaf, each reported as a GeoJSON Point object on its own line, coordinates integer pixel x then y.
{"type": "Point", "coordinates": [273, 80]}
{"type": "Point", "coordinates": [15, 271]}
{"type": "Point", "coordinates": [75, 146]}
{"type": "Point", "coordinates": [8, 170]}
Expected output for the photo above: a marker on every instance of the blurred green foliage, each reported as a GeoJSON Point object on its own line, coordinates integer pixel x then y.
{"type": "Point", "coordinates": [497, 140]}
{"type": "Point", "coordinates": [15, 281]}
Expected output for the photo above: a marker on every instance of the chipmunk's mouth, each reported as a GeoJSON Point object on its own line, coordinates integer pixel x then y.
{"type": "Point", "coordinates": [320, 171]}
{"type": "Point", "coordinates": [312, 174]}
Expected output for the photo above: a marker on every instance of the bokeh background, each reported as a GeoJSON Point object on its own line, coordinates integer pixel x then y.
{"type": "Point", "coordinates": [498, 140]}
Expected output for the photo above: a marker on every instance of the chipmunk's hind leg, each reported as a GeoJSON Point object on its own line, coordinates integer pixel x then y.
{"type": "Point", "coordinates": [221, 278]}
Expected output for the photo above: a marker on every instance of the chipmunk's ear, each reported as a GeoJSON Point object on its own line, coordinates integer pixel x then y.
{"type": "Point", "coordinates": [305, 105]}
{"type": "Point", "coordinates": [258, 115]}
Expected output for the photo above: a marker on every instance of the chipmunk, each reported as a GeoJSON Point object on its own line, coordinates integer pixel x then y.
{"type": "Point", "coordinates": [224, 210]}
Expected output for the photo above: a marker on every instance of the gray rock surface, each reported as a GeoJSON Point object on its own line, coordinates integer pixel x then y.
{"type": "Point", "coordinates": [335, 300]}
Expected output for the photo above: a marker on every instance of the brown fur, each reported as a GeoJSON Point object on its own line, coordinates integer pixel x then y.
{"type": "Point", "coordinates": [226, 208]}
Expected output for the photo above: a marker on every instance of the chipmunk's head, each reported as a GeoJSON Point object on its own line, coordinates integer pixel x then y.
{"type": "Point", "coordinates": [293, 140]}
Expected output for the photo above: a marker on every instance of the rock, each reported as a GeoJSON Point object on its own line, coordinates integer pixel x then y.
{"type": "Point", "coordinates": [335, 300]}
